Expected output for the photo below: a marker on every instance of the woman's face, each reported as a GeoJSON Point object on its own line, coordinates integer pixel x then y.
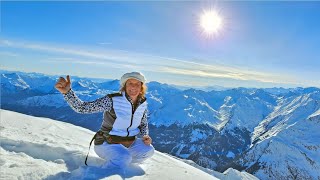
{"type": "Point", "coordinates": [133, 88]}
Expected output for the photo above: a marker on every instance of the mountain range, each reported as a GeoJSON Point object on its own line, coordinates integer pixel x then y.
{"type": "Point", "coordinates": [271, 133]}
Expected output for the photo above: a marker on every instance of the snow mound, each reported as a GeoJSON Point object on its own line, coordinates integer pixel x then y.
{"type": "Point", "coordinates": [41, 148]}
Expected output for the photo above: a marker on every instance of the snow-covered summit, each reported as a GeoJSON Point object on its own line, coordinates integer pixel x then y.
{"type": "Point", "coordinates": [41, 148]}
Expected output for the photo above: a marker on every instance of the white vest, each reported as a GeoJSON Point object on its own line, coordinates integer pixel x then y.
{"type": "Point", "coordinates": [126, 123]}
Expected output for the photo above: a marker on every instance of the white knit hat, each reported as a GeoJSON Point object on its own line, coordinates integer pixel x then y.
{"type": "Point", "coordinates": [132, 75]}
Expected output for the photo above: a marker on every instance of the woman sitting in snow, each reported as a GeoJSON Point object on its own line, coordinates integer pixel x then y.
{"type": "Point", "coordinates": [125, 116]}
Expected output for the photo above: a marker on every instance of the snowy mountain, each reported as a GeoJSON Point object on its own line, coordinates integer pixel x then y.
{"type": "Point", "coordinates": [56, 150]}
{"type": "Point", "coordinates": [297, 148]}
{"type": "Point", "coordinates": [215, 129]}
{"type": "Point", "coordinates": [290, 135]}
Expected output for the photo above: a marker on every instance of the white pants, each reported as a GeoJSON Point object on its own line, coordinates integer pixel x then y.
{"type": "Point", "coordinates": [117, 155]}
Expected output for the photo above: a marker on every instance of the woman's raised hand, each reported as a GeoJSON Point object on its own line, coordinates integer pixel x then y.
{"type": "Point", "coordinates": [63, 85]}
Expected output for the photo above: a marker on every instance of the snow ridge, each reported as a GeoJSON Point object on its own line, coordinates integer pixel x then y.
{"type": "Point", "coordinates": [41, 148]}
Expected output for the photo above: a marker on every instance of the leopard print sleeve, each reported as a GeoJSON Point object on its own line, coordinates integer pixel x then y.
{"type": "Point", "coordinates": [99, 105]}
{"type": "Point", "coordinates": [144, 129]}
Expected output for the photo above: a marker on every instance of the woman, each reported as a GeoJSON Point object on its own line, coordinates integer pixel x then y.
{"type": "Point", "coordinates": [124, 117]}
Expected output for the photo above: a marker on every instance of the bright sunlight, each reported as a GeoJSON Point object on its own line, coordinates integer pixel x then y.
{"type": "Point", "coordinates": [210, 22]}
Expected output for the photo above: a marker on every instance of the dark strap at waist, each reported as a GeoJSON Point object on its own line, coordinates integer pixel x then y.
{"type": "Point", "coordinates": [101, 136]}
{"type": "Point", "coordinates": [119, 139]}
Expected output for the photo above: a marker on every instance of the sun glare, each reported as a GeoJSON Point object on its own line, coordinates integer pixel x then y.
{"type": "Point", "coordinates": [210, 22]}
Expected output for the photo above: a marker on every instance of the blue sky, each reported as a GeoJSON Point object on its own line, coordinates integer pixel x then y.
{"type": "Point", "coordinates": [261, 44]}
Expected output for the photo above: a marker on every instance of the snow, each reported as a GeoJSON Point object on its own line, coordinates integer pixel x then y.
{"type": "Point", "coordinates": [247, 113]}
{"type": "Point", "coordinates": [229, 174]}
{"type": "Point", "coordinates": [230, 154]}
{"type": "Point", "coordinates": [274, 117]}
{"type": "Point", "coordinates": [197, 134]}
{"type": "Point", "coordinates": [52, 100]}
{"type": "Point", "coordinates": [42, 148]}
{"type": "Point", "coordinates": [14, 81]}
{"type": "Point", "coordinates": [317, 113]}
{"type": "Point", "coordinates": [292, 153]}
{"type": "Point", "coordinates": [286, 115]}
{"type": "Point", "coordinates": [232, 174]}
{"type": "Point", "coordinates": [183, 113]}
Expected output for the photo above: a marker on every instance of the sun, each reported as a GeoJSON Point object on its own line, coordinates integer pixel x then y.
{"type": "Point", "coordinates": [210, 22]}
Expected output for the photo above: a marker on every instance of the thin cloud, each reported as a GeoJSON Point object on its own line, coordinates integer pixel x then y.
{"type": "Point", "coordinates": [124, 59]}
{"type": "Point", "coordinates": [105, 43]}
{"type": "Point", "coordinates": [221, 71]}
{"type": "Point", "coordinates": [191, 68]}
{"type": "Point", "coordinates": [4, 53]}
{"type": "Point", "coordinates": [108, 64]}
{"type": "Point", "coordinates": [63, 50]}
{"type": "Point", "coordinates": [229, 73]}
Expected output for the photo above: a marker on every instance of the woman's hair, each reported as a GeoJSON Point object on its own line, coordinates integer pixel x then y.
{"type": "Point", "coordinates": [142, 92]}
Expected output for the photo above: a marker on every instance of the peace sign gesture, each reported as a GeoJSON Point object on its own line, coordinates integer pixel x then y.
{"type": "Point", "coordinates": [63, 85]}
